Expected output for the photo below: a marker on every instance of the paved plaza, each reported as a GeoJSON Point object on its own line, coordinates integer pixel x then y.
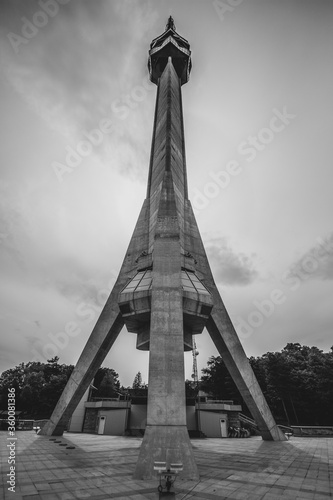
{"type": "Point", "coordinates": [101, 467]}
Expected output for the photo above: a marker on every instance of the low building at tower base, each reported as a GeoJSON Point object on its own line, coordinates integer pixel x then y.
{"type": "Point", "coordinates": [128, 416]}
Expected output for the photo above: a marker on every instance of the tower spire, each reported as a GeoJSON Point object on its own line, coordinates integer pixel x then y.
{"type": "Point", "coordinates": [170, 24]}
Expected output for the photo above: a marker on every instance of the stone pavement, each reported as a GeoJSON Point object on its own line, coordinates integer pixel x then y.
{"type": "Point", "coordinates": [87, 466]}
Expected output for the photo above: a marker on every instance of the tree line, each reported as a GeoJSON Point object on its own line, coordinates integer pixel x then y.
{"type": "Point", "coordinates": [38, 386]}
{"type": "Point", "coordinates": [297, 383]}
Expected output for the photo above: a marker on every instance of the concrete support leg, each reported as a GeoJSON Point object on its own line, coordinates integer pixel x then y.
{"type": "Point", "coordinates": [102, 337]}
{"type": "Point", "coordinates": [227, 343]}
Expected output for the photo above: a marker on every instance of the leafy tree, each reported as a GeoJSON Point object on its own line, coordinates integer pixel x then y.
{"type": "Point", "coordinates": [297, 383]}
{"type": "Point", "coordinates": [139, 388]}
{"type": "Point", "coordinates": [107, 383]}
{"type": "Point", "coordinates": [137, 383]}
{"type": "Point", "coordinates": [217, 381]}
{"type": "Point", "coordinates": [38, 386]}
{"type": "Point", "coordinates": [191, 389]}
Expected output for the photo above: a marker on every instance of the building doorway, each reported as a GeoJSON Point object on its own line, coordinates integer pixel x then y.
{"type": "Point", "coordinates": [101, 424]}
{"type": "Point", "coordinates": [224, 427]}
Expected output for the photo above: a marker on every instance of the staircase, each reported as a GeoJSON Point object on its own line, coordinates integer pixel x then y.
{"type": "Point", "coordinates": [250, 423]}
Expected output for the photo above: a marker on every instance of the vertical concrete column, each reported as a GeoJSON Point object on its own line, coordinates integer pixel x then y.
{"type": "Point", "coordinates": [166, 398]}
{"type": "Point", "coordinates": [166, 437]}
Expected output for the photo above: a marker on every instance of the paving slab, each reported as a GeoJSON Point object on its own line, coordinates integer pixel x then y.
{"type": "Point", "coordinates": [96, 467]}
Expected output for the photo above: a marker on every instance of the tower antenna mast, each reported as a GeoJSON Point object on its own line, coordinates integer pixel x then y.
{"type": "Point", "coordinates": [195, 353]}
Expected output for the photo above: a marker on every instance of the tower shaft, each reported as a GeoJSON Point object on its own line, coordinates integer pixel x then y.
{"type": "Point", "coordinates": [166, 435]}
{"type": "Point", "coordinates": [167, 161]}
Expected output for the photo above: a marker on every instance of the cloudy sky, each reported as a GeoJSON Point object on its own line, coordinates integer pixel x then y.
{"type": "Point", "coordinates": [258, 122]}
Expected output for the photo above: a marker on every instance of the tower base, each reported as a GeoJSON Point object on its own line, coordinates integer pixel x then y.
{"type": "Point", "coordinates": [273, 434]}
{"type": "Point", "coordinates": [166, 443]}
{"type": "Point", "coordinates": [49, 429]}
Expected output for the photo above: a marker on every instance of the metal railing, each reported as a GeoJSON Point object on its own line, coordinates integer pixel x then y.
{"type": "Point", "coordinates": [247, 420]}
{"type": "Point", "coordinates": [312, 430]}
{"type": "Point", "coordinates": [219, 401]}
{"type": "Point", "coordinates": [94, 400]}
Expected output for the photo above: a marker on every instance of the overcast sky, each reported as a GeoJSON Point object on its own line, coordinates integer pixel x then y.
{"type": "Point", "coordinates": [258, 124]}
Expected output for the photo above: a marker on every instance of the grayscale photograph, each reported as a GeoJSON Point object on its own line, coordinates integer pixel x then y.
{"type": "Point", "coordinates": [166, 249]}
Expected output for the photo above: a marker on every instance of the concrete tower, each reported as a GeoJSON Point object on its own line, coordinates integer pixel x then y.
{"type": "Point", "coordinates": [165, 291]}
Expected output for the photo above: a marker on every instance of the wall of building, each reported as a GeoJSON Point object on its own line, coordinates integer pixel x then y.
{"type": "Point", "coordinates": [210, 423]}
{"type": "Point", "coordinates": [138, 417]}
{"type": "Point", "coordinates": [115, 422]}
{"type": "Point", "coordinates": [191, 419]}
{"type": "Point", "coordinates": [233, 417]}
{"type": "Point", "coordinates": [76, 422]}
{"type": "Point", "coordinates": [90, 421]}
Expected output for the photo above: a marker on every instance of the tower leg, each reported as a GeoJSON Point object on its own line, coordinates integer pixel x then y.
{"type": "Point", "coordinates": [227, 342]}
{"type": "Point", "coordinates": [101, 339]}
{"type": "Point", "coordinates": [228, 345]}
{"type": "Point", "coordinates": [104, 334]}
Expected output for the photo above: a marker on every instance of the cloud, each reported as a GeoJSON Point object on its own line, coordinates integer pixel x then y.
{"type": "Point", "coordinates": [72, 282]}
{"type": "Point", "coordinates": [317, 262]}
{"type": "Point", "coordinates": [39, 253]}
{"type": "Point", "coordinates": [75, 67]}
{"type": "Point", "coordinates": [13, 224]}
{"type": "Point", "coordinates": [230, 267]}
